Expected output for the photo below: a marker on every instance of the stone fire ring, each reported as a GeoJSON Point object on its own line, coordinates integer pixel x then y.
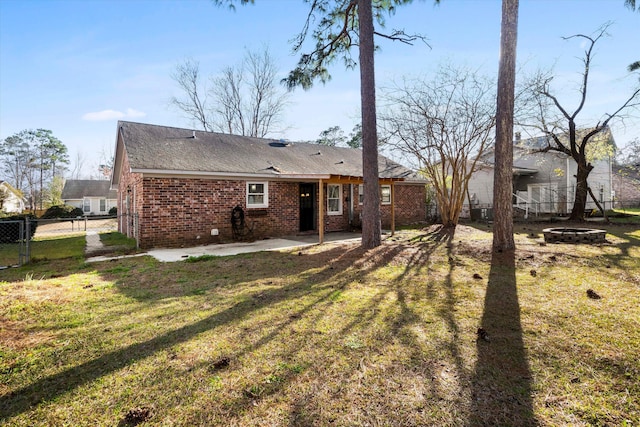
{"type": "Point", "coordinates": [574, 235]}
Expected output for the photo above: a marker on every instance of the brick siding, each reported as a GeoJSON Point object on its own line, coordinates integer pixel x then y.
{"type": "Point", "coordinates": [410, 206]}
{"type": "Point", "coordinates": [175, 212]}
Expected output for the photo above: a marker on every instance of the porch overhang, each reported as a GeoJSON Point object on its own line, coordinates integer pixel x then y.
{"type": "Point", "coordinates": [519, 171]}
{"type": "Point", "coordinates": [354, 180]}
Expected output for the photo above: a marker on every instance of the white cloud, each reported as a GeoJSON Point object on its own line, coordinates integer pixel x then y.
{"type": "Point", "coordinates": [113, 114]}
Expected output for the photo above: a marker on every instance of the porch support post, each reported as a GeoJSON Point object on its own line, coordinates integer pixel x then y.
{"type": "Point", "coordinates": [320, 213]}
{"type": "Point", "coordinates": [393, 209]}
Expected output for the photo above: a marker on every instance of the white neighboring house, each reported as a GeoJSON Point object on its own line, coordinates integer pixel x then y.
{"type": "Point", "coordinates": [543, 182]}
{"type": "Point", "coordinates": [11, 201]}
{"type": "Point", "coordinates": [94, 197]}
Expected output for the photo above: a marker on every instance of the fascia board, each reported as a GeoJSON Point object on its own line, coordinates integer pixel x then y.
{"type": "Point", "coordinates": [161, 173]}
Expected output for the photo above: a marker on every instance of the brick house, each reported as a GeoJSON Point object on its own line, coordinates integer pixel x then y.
{"type": "Point", "coordinates": [178, 187]}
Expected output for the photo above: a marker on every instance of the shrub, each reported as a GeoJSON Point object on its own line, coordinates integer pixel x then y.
{"type": "Point", "coordinates": [113, 211]}
{"type": "Point", "coordinates": [62, 211]}
{"type": "Point", "coordinates": [10, 228]}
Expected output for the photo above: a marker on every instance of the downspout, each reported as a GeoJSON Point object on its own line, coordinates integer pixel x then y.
{"type": "Point", "coordinates": [393, 209]}
{"type": "Point", "coordinates": [351, 205]}
{"type": "Point", "coordinates": [136, 219]}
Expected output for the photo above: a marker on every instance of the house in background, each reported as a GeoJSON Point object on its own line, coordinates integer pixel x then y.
{"type": "Point", "coordinates": [11, 201]}
{"type": "Point", "coordinates": [543, 182]}
{"type": "Point", "coordinates": [626, 186]}
{"type": "Point", "coordinates": [179, 187]}
{"type": "Point", "coordinates": [94, 197]}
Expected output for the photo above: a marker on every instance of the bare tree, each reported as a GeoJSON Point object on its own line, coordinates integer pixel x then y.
{"type": "Point", "coordinates": [194, 102]}
{"type": "Point", "coordinates": [78, 163]}
{"type": "Point", "coordinates": [547, 114]}
{"type": "Point", "coordinates": [244, 99]}
{"type": "Point", "coordinates": [338, 29]}
{"type": "Point", "coordinates": [16, 153]}
{"type": "Point", "coordinates": [445, 124]}
{"type": "Point", "coordinates": [631, 4]}
{"type": "Point", "coordinates": [503, 162]}
{"type": "Point", "coordinates": [629, 156]}
{"type": "Point", "coordinates": [32, 158]}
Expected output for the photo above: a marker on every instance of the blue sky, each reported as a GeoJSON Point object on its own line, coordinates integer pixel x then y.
{"type": "Point", "coordinates": [77, 66]}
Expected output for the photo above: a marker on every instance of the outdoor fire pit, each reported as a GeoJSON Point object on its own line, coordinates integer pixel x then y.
{"type": "Point", "coordinates": [574, 235]}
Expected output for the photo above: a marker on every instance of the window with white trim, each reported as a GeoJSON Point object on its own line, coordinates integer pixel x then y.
{"type": "Point", "coordinates": [334, 199]}
{"type": "Point", "coordinates": [385, 194]}
{"type": "Point", "coordinates": [257, 194]}
{"type": "Point", "coordinates": [86, 205]}
{"type": "Point", "coordinates": [103, 205]}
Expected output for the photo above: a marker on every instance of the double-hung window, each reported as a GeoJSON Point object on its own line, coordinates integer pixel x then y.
{"type": "Point", "coordinates": [86, 205]}
{"type": "Point", "coordinates": [257, 194]}
{"type": "Point", "coordinates": [334, 199]}
{"type": "Point", "coordinates": [385, 194]}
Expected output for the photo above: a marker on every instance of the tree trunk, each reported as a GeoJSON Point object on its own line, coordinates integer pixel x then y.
{"type": "Point", "coordinates": [582, 189]}
{"type": "Point", "coordinates": [371, 233]}
{"type": "Point", "coordinates": [602, 209]}
{"type": "Point", "coordinates": [503, 172]}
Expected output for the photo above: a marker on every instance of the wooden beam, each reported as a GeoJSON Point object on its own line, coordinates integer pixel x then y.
{"type": "Point", "coordinates": [321, 213]}
{"type": "Point", "coordinates": [393, 209]}
{"type": "Point", "coordinates": [345, 179]}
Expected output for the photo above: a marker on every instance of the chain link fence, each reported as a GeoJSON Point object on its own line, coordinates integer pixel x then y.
{"type": "Point", "coordinates": [20, 240]}
{"type": "Point", "coordinates": [129, 225]}
{"type": "Point", "coordinates": [543, 210]}
{"type": "Point", "coordinates": [13, 242]}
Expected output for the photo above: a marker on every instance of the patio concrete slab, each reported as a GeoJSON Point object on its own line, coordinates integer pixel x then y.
{"type": "Point", "coordinates": [172, 255]}
{"type": "Point", "coordinates": [227, 249]}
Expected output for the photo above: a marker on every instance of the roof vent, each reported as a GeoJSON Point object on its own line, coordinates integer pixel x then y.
{"type": "Point", "coordinates": [319, 153]}
{"type": "Point", "coordinates": [279, 144]}
{"type": "Point", "coordinates": [340, 162]}
{"type": "Point", "coordinates": [193, 135]}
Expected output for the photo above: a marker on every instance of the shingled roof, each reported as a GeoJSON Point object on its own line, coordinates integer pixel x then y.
{"type": "Point", "coordinates": [81, 188]}
{"type": "Point", "coordinates": [163, 149]}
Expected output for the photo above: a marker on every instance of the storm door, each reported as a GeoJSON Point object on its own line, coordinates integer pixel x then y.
{"type": "Point", "coordinates": [307, 211]}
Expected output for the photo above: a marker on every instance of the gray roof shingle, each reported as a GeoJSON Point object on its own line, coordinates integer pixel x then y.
{"type": "Point", "coordinates": [81, 188]}
{"type": "Point", "coordinates": [167, 149]}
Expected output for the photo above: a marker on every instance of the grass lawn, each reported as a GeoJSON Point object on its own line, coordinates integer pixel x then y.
{"type": "Point", "coordinates": [46, 248]}
{"type": "Point", "coordinates": [113, 238]}
{"type": "Point", "coordinates": [331, 335]}
{"type": "Point", "coordinates": [628, 216]}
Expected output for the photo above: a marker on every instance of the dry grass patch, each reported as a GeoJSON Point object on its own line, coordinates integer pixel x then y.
{"type": "Point", "coordinates": [330, 335]}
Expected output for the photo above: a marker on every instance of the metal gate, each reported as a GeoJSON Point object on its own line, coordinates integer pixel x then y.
{"type": "Point", "coordinates": [14, 243]}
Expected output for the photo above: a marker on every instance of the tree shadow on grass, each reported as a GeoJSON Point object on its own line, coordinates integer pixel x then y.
{"type": "Point", "coordinates": [502, 381]}
{"type": "Point", "coordinates": [52, 386]}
